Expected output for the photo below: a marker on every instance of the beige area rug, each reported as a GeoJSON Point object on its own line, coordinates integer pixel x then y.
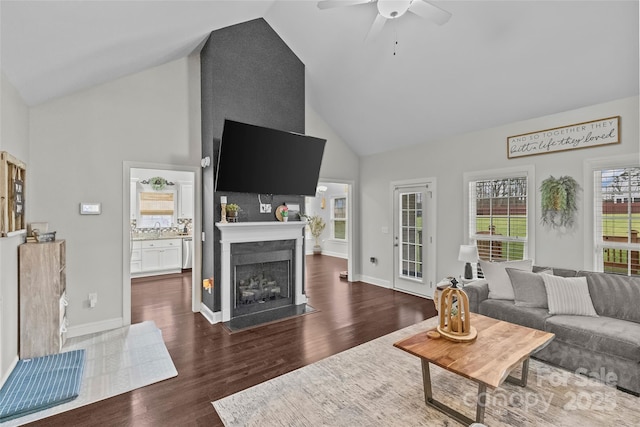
{"type": "Point", "coordinates": [116, 361]}
{"type": "Point", "coordinates": [376, 384]}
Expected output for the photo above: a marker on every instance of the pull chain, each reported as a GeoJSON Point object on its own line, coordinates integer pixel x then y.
{"type": "Point", "coordinates": [395, 41]}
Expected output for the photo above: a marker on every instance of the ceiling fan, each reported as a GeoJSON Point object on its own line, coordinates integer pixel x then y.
{"type": "Point", "coordinates": [393, 9]}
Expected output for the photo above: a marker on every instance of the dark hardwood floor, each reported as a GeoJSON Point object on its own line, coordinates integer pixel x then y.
{"type": "Point", "coordinates": [212, 363]}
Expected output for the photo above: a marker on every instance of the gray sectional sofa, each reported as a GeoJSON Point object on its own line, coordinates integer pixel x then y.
{"type": "Point", "coordinates": [606, 347]}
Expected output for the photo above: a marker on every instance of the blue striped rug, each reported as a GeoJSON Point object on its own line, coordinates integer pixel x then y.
{"type": "Point", "coordinates": [40, 383]}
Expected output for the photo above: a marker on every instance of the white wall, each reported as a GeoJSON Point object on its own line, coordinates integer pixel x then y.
{"type": "Point", "coordinates": [339, 165]}
{"type": "Point", "coordinates": [78, 146]}
{"type": "Point", "coordinates": [330, 246]}
{"type": "Point", "coordinates": [448, 159]}
{"type": "Point", "coordinates": [14, 138]}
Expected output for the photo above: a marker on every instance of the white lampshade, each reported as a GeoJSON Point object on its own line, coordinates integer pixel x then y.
{"type": "Point", "coordinates": [468, 253]}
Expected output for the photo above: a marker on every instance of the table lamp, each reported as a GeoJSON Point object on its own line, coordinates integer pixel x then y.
{"type": "Point", "coordinates": [468, 254]}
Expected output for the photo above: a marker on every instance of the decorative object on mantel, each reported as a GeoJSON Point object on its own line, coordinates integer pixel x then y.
{"type": "Point", "coordinates": [316, 227]}
{"type": "Point", "coordinates": [223, 209]}
{"type": "Point", "coordinates": [232, 212]}
{"type": "Point", "coordinates": [12, 181]}
{"type": "Point", "coordinates": [282, 213]}
{"type": "Point", "coordinates": [579, 135]}
{"type": "Point", "coordinates": [468, 254]}
{"type": "Point", "coordinates": [157, 183]}
{"type": "Point", "coordinates": [559, 204]}
{"type": "Point", "coordinates": [454, 314]}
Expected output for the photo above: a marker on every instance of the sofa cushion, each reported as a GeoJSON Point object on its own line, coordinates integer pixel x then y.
{"type": "Point", "coordinates": [499, 283]}
{"type": "Point", "coordinates": [568, 295]}
{"type": "Point", "coordinates": [508, 311]}
{"type": "Point", "coordinates": [562, 272]}
{"type": "Point", "coordinates": [601, 334]}
{"type": "Point", "coordinates": [614, 295]}
{"type": "Point", "coordinates": [477, 291]}
{"type": "Point", "coordinates": [528, 288]}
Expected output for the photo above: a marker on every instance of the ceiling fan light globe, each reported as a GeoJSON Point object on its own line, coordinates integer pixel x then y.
{"type": "Point", "coordinates": [392, 9]}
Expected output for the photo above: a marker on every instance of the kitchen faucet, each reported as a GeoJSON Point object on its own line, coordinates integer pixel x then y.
{"type": "Point", "coordinates": [156, 228]}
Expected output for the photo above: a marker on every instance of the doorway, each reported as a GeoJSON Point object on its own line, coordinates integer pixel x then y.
{"type": "Point", "coordinates": [177, 209]}
{"type": "Point", "coordinates": [333, 202]}
{"type": "Point", "coordinates": [414, 237]}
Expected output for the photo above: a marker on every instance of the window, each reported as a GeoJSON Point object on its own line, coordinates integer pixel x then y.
{"type": "Point", "coordinates": [498, 216]}
{"type": "Point", "coordinates": [617, 220]}
{"type": "Point", "coordinates": [339, 218]}
{"type": "Point", "coordinates": [156, 208]}
{"type": "Point", "coordinates": [411, 206]}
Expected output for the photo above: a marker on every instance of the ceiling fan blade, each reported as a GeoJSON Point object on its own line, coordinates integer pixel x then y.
{"type": "Point", "coordinates": [328, 4]}
{"type": "Point", "coordinates": [376, 27]}
{"type": "Point", "coordinates": [429, 11]}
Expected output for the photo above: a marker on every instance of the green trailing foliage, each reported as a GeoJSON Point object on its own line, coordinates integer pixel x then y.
{"type": "Point", "coordinates": [157, 183]}
{"type": "Point", "coordinates": [559, 201]}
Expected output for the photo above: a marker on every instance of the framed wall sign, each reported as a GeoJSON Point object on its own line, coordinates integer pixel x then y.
{"type": "Point", "coordinates": [18, 197]}
{"type": "Point", "coordinates": [571, 137]}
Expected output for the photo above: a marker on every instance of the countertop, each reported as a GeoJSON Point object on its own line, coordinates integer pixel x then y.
{"type": "Point", "coordinates": [151, 236]}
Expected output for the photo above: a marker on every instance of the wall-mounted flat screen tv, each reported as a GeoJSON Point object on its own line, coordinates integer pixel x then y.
{"type": "Point", "coordinates": [256, 159]}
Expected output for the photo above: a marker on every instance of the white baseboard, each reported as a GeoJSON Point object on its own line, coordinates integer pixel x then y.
{"type": "Point", "coordinates": [212, 317]}
{"type": "Point", "coordinates": [375, 281]}
{"type": "Point", "coordinates": [335, 254]}
{"type": "Point", "coordinates": [5, 375]}
{"type": "Point", "coordinates": [92, 328]}
{"type": "Point", "coordinates": [328, 253]}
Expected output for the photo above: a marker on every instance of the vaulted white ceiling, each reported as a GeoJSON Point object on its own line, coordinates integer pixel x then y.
{"type": "Point", "coordinates": [494, 62]}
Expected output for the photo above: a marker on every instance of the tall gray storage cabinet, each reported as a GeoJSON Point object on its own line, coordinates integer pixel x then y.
{"type": "Point", "coordinates": [42, 298]}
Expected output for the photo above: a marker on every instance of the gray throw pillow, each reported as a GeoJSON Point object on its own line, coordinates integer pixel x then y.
{"type": "Point", "coordinates": [528, 288]}
{"type": "Point", "coordinates": [568, 295]}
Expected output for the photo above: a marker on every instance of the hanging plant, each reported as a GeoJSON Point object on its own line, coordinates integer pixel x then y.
{"type": "Point", "coordinates": [157, 183]}
{"type": "Point", "coordinates": [559, 204]}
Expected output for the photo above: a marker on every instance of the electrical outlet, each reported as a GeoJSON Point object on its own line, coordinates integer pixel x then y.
{"type": "Point", "coordinates": [265, 208]}
{"type": "Point", "coordinates": [373, 260]}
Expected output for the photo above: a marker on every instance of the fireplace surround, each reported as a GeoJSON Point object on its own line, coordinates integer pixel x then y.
{"type": "Point", "coordinates": [244, 243]}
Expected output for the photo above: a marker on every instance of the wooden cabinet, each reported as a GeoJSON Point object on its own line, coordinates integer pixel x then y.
{"type": "Point", "coordinates": [43, 300]}
{"type": "Point", "coordinates": [156, 257]}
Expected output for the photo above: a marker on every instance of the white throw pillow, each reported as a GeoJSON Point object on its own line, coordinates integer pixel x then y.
{"type": "Point", "coordinates": [499, 283]}
{"type": "Point", "coordinates": [568, 295]}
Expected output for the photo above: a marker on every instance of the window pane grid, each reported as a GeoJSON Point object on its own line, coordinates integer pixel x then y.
{"type": "Point", "coordinates": [411, 235]}
{"type": "Point", "coordinates": [338, 218]}
{"type": "Point", "coordinates": [498, 213]}
{"type": "Point", "coordinates": [617, 220]}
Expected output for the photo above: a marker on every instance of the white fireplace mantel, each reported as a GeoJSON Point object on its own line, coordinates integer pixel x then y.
{"type": "Point", "coordinates": [242, 232]}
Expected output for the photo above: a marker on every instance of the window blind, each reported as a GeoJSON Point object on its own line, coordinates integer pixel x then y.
{"type": "Point", "coordinates": [617, 220]}
{"type": "Point", "coordinates": [498, 217]}
{"type": "Point", "coordinates": [156, 203]}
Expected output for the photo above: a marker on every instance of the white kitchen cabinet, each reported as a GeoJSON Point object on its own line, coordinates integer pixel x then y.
{"type": "Point", "coordinates": [136, 257]}
{"type": "Point", "coordinates": [185, 207]}
{"type": "Point", "coordinates": [158, 257]}
{"type": "Point", "coordinates": [133, 198]}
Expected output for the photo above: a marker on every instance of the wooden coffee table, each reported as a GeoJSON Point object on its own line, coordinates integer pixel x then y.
{"type": "Point", "coordinates": [488, 360]}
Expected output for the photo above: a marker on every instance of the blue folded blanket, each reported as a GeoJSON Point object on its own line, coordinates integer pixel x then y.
{"type": "Point", "coordinates": [40, 383]}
